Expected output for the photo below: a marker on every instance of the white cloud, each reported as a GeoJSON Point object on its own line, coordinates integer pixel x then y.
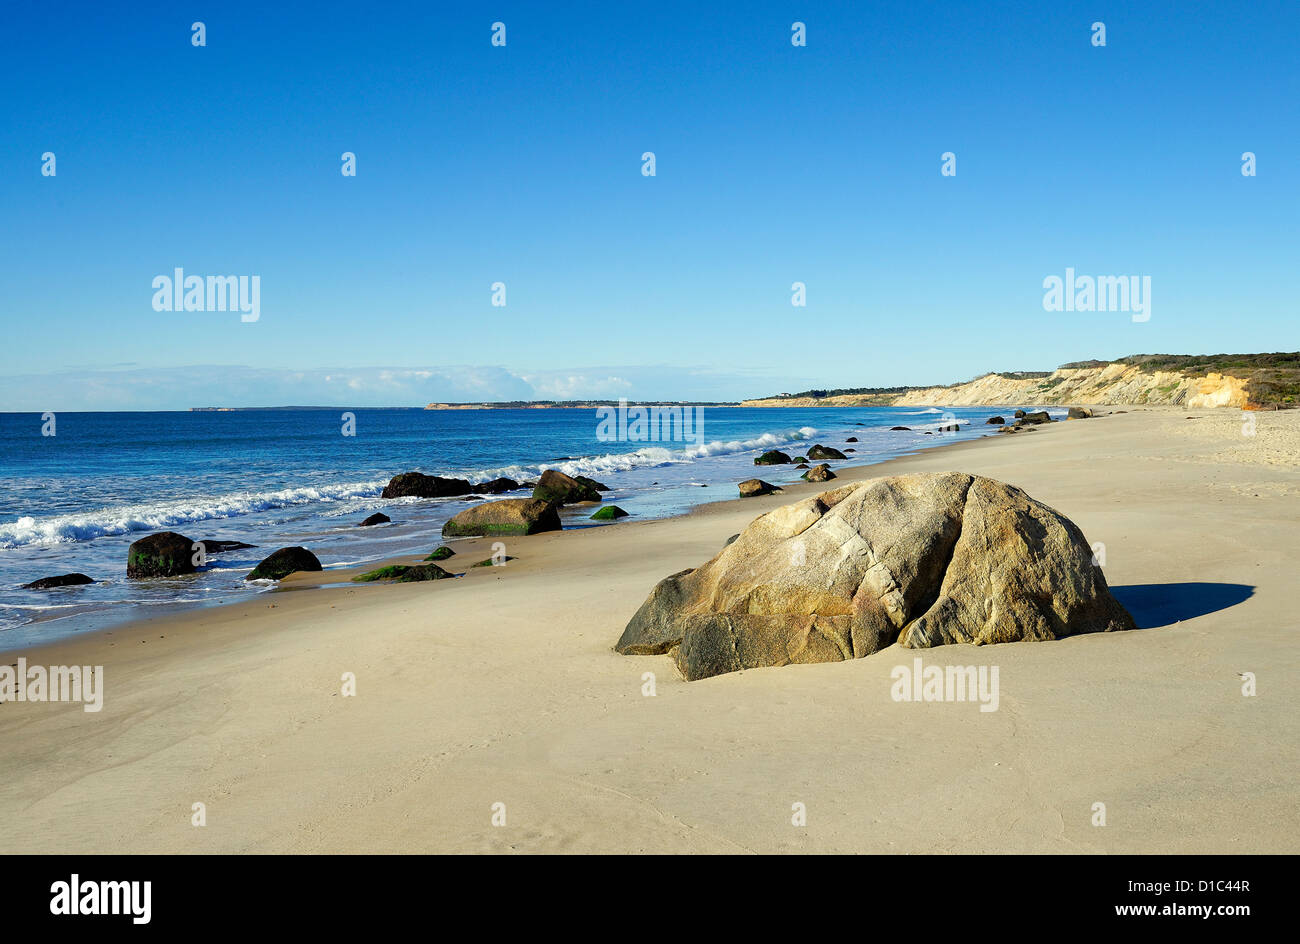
{"type": "Point", "coordinates": [179, 388]}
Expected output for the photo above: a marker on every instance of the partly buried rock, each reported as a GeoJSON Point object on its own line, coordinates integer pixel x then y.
{"type": "Point", "coordinates": [994, 421]}
{"type": "Point", "coordinates": [825, 452]}
{"type": "Point", "coordinates": [404, 573]}
{"type": "Point", "coordinates": [773, 457]}
{"type": "Point", "coordinates": [563, 489]}
{"type": "Point", "coordinates": [63, 580]}
{"type": "Point", "coordinates": [898, 429]}
{"type": "Point", "coordinates": [609, 513]}
{"type": "Point", "coordinates": [441, 553]}
{"type": "Point", "coordinates": [165, 554]}
{"type": "Point", "coordinates": [819, 473]}
{"type": "Point", "coordinates": [752, 488]}
{"type": "Point", "coordinates": [1079, 413]}
{"type": "Point", "coordinates": [507, 516]}
{"type": "Point", "coordinates": [419, 485]}
{"type": "Point", "coordinates": [497, 486]}
{"type": "Point", "coordinates": [284, 562]}
{"type": "Point", "coordinates": [1034, 419]}
{"type": "Point", "coordinates": [923, 560]}
{"type": "Point", "coordinates": [377, 518]}
{"type": "Point", "coordinates": [852, 439]}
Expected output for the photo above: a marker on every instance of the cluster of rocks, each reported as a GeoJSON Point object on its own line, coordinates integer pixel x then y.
{"type": "Point", "coordinates": [1022, 421]}
{"type": "Point", "coordinates": [169, 554]}
{"type": "Point", "coordinates": [419, 485]}
{"type": "Point", "coordinates": [753, 488]}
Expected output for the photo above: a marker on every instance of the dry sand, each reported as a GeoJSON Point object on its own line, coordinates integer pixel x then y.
{"type": "Point", "coordinates": [502, 687]}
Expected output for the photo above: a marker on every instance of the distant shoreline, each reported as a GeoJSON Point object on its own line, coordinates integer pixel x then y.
{"type": "Point", "coordinates": [1241, 381]}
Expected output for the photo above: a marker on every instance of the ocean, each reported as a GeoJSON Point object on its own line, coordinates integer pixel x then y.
{"type": "Point", "coordinates": [74, 501]}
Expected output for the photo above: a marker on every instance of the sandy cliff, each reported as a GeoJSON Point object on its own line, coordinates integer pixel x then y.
{"type": "Point", "coordinates": [1114, 383]}
{"type": "Point", "coordinates": [1111, 384]}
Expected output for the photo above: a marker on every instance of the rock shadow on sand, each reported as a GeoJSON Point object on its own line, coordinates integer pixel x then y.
{"type": "Point", "coordinates": [1154, 605]}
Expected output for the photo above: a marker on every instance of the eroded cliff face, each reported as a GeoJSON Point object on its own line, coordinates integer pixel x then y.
{"type": "Point", "coordinates": [1112, 384]}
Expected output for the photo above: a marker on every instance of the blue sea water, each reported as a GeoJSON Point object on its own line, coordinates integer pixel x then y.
{"type": "Point", "coordinates": [76, 500]}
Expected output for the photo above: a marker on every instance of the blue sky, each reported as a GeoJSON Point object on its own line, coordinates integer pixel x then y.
{"type": "Point", "coordinates": [522, 164]}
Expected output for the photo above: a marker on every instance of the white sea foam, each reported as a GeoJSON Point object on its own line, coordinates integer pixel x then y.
{"type": "Point", "coordinates": [160, 515]}
{"type": "Point", "coordinates": [174, 513]}
{"type": "Point", "coordinates": [653, 456]}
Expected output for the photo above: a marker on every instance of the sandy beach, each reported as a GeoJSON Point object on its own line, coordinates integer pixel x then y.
{"type": "Point", "coordinates": [503, 687]}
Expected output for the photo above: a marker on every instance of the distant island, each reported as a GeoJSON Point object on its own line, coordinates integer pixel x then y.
{"type": "Point", "coordinates": [570, 404]}
{"type": "Point", "coordinates": [1244, 381]}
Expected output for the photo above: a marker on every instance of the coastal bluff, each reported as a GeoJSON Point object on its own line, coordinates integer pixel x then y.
{"type": "Point", "coordinates": [1238, 381]}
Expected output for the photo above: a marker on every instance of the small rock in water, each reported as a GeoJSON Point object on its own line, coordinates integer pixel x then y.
{"type": "Point", "coordinates": [63, 580]}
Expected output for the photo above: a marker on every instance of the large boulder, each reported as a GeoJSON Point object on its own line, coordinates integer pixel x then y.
{"type": "Point", "coordinates": [773, 457]}
{"type": "Point", "coordinates": [508, 516]}
{"type": "Point", "coordinates": [165, 554]}
{"type": "Point", "coordinates": [1034, 419]}
{"type": "Point", "coordinates": [62, 580]}
{"type": "Point", "coordinates": [555, 486]}
{"type": "Point", "coordinates": [1078, 413]}
{"type": "Point", "coordinates": [377, 518]}
{"type": "Point", "coordinates": [923, 560]}
{"type": "Point", "coordinates": [825, 452]}
{"type": "Point", "coordinates": [284, 562]}
{"type": "Point", "coordinates": [419, 485]}
{"type": "Point", "coordinates": [994, 421]}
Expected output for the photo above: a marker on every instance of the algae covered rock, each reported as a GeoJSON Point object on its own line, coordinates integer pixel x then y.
{"type": "Point", "coordinates": [166, 554]}
{"type": "Point", "coordinates": [404, 573]}
{"type": "Point", "coordinates": [509, 516]}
